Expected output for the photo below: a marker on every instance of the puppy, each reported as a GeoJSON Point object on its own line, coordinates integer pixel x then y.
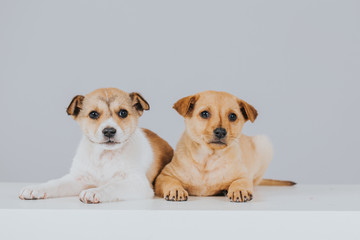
{"type": "Point", "coordinates": [116, 160]}
{"type": "Point", "coordinates": [213, 155]}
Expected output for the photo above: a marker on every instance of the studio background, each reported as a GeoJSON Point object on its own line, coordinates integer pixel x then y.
{"type": "Point", "coordinates": [297, 62]}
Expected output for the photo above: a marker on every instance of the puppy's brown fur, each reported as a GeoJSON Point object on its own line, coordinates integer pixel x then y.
{"type": "Point", "coordinates": [202, 164]}
{"type": "Point", "coordinates": [163, 153]}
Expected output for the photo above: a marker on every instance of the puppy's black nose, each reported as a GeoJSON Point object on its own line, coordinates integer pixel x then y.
{"type": "Point", "coordinates": [220, 132]}
{"type": "Point", "coordinates": [109, 132]}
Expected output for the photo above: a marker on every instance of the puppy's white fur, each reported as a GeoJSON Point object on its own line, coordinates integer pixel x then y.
{"type": "Point", "coordinates": [119, 173]}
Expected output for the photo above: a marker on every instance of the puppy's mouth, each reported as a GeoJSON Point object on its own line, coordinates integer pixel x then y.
{"type": "Point", "coordinates": [107, 143]}
{"type": "Point", "coordinates": [110, 142]}
{"type": "Point", "coordinates": [218, 142]}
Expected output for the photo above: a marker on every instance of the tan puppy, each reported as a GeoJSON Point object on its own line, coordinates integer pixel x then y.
{"type": "Point", "coordinates": [116, 160]}
{"type": "Point", "coordinates": [213, 155]}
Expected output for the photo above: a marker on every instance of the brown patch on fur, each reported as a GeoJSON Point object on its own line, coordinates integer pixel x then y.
{"type": "Point", "coordinates": [248, 111]}
{"type": "Point", "coordinates": [163, 154]}
{"type": "Point", "coordinates": [185, 105]}
{"type": "Point", "coordinates": [139, 102]}
{"type": "Point", "coordinates": [75, 106]}
{"type": "Point", "coordinates": [107, 102]}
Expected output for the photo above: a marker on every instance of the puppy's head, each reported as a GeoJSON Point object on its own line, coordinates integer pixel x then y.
{"type": "Point", "coordinates": [214, 118]}
{"type": "Point", "coordinates": [108, 116]}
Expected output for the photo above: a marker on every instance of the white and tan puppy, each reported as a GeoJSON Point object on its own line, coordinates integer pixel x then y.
{"type": "Point", "coordinates": [116, 160]}
{"type": "Point", "coordinates": [213, 155]}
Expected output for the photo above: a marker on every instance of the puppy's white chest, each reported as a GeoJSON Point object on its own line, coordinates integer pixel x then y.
{"type": "Point", "coordinates": [110, 165]}
{"type": "Point", "coordinates": [97, 166]}
{"type": "Point", "coordinates": [99, 171]}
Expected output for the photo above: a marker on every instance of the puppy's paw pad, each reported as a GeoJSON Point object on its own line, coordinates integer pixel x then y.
{"type": "Point", "coordinates": [176, 195]}
{"type": "Point", "coordinates": [90, 196]}
{"type": "Point", "coordinates": [240, 195]}
{"type": "Point", "coordinates": [32, 193]}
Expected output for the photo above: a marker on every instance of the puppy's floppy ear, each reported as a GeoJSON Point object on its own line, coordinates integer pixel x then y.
{"type": "Point", "coordinates": [75, 106]}
{"type": "Point", "coordinates": [139, 103]}
{"type": "Point", "coordinates": [185, 105]}
{"type": "Point", "coordinates": [248, 111]}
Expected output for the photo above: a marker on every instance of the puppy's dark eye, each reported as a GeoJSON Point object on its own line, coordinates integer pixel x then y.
{"type": "Point", "coordinates": [123, 113]}
{"type": "Point", "coordinates": [232, 117]}
{"type": "Point", "coordinates": [205, 114]}
{"type": "Point", "coordinates": [94, 115]}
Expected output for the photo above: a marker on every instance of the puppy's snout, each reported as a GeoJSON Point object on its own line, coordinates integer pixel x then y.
{"type": "Point", "coordinates": [220, 132]}
{"type": "Point", "coordinates": [109, 132]}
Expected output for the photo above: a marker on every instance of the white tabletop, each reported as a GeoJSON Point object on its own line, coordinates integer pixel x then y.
{"type": "Point", "coordinates": [295, 198]}
{"type": "Point", "coordinates": [298, 212]}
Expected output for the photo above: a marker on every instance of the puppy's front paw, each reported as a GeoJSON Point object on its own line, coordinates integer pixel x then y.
{"type": "Point", "coordinates": [240, 194]}
{"type": "Point", "coordinates": [90, 196]}
{"type": "Point", "coordinates": [176, 194]}
{"type": "Point", "coordinates": [32, 193]}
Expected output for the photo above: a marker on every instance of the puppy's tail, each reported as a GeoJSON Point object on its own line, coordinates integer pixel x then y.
{"type": "Point", "coordinates": [272, 182]}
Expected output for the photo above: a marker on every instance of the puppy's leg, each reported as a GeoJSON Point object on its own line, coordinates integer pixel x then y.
{"type": "Point", "coordinates": [241, 190]}
{"type": "Point", "coordinates": [170, 188]}
{"type": "Point", "coordinates": [62, 187]}
{"type": "Point", "coordinates": [133, 187]}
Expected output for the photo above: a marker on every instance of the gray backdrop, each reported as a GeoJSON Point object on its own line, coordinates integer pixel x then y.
{"type": "Point", "coordinates": [297, 62]}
